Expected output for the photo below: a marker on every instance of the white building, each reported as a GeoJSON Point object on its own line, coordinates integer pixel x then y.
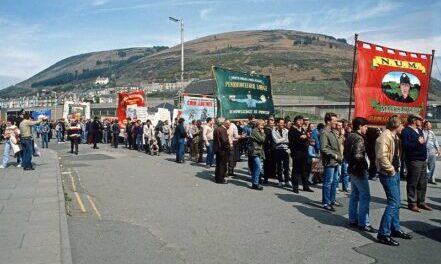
{"type": "Point", "coordinates": [102, 80]}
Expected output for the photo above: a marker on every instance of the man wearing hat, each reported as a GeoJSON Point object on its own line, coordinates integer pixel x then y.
{"type": "Point", "coordinates": [415, 152]}
{"type": "Point", "coordinates": [405, 90]}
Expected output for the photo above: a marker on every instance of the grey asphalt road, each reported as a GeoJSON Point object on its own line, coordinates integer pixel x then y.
{"type": "Point", "coordinates": [134, 208]}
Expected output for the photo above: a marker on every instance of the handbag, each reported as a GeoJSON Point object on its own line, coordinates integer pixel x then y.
{"type": "Point", "coordinates": [316, 166]}
{"type": "Point", "coordinates": [15, 148]}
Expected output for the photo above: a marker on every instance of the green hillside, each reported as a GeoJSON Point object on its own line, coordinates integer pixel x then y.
{"type": "Point", "coordinates": [300, 64]}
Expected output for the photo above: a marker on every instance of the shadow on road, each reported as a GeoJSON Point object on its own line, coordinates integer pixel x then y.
{"type": "Point", "coordinates": [237, 180]}
{"type": "Point", "coordinates": [317, 212]}
{"type": "Point", "coordinates": [424, 229]}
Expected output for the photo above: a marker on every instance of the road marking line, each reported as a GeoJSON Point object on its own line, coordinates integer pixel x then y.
{"type": "Point", "coordinates": [74, 187]}
{"type": "Point", "coordinates": [82, 208]}
{"type": "Point", "coordinates": [94, 206]}
{"type": "Point", "coordinates": [65, 172]}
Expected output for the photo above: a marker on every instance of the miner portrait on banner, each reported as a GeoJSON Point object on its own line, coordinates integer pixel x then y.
{"type": "Point", "coordinates": [405, 87]}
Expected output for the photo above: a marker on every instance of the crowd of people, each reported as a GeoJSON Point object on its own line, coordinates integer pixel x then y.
{"type": "Point", "coordinates": [294, 152]}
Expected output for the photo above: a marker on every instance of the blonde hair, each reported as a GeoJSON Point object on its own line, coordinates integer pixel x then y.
{"type": "Point", "coordinates": [260, 122]}
{"type": "Point", "coordinates": [393, 123]}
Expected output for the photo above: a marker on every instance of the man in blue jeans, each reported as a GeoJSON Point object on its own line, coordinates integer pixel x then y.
{"type": "Point", "coordinates": [387, 152]}
{"type": "Point", "coordinates": [180, 135]}
{"type": "Point", "coordinates": [331, 158]}
{"type": "Point", "coordinates": [26, 141]}
{"type": "Point", "coordinates": [44, 130]}
{"type": "Point", "coordinates": [208, 139]}
{"type": "Point", "coordinates": [355, 154]}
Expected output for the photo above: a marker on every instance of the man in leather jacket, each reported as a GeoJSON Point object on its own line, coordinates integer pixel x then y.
{"type": "Point", "coordinates": [355, 155]}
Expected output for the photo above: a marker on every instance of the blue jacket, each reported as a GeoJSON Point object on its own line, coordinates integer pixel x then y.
{"type": "Point", "coordinates": [316, 136]}
{"type": "Point", "coordinates": [413, 149]}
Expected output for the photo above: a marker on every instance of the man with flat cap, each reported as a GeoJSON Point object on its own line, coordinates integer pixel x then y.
{"type": "Point", "coordinates": [405, 90]}
{"type": "Point", "coordinates": [415, 151]}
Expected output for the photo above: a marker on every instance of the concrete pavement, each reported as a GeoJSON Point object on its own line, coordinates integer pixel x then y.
{"type": "Point", "coordinates": [152, 210]}
{"type": "Point", "coordinates": [33, 225]}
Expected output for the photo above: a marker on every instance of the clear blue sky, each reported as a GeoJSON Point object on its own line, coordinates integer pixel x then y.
{"type": "Point", "coordinates": [35, 34]}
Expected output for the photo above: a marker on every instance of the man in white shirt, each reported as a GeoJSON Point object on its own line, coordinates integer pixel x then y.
{"type": "Point", "coordinates": [233, 137]}
{"type": "Point", "coordinates": [208, 141]}
{"type": "Point", "coordinates": [433, 150]}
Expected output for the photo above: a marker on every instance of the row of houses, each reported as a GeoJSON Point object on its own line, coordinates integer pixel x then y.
{"type": "Point", "coordinates": [96, 95]}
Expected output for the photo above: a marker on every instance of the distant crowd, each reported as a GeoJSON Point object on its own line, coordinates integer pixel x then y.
{"type": "Point", "coordinates": [294, 152]}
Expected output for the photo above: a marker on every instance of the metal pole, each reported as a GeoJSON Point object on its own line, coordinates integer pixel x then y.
{"type": "Point", "coordinates": [352, 78]}
{"type": "Point", "coordinates": [430, 77]}
{"type": "Point", "coordinates": [182, 62]}
{"type": "Point", "coordinates": [214, 91]}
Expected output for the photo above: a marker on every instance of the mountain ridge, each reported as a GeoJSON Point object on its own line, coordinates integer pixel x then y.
{"type": "Point", "coordinates": [292, 58]}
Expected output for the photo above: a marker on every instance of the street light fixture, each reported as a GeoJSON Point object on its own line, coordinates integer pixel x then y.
{"type": "Point", "coordinates": [181, 21]}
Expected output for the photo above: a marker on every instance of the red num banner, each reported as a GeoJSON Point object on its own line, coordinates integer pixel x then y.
{"type": "Point", "coordinates": [126, 99]}
{"type": "Point", "coordinates": [390, 82]}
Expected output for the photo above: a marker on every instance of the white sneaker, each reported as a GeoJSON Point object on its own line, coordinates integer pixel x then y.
{"type": "Point", "coordinates": [19, 166]}
{"type": "Point", "coordinates": [280, 184]}
{"type": "Point", "coordinates": [288, 184]}
{"type": "Point", "coordinates": [2, 167]}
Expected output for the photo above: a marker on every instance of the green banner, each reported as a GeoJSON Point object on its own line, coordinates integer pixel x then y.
{"type": "Point", "coordinates": [241, 94]}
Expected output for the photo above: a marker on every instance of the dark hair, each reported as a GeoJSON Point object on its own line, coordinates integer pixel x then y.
{"type": "Point", "coordinates": [298, 117]}
{"type": "Point", "coordinates": [320, 126]}
{"type": "Point", "coordinates": [181, 120]}
{"type": "Point", "coordinates": [411, 119]}
{"type": "Point", "coordinates": [359, 122]}
{"type": "Point", "coordinates": [251, 117]}
{"type": "Point", "coordinates": [208, 119]}
{"type": "Point", "coordinates": [329, 116]}
{"type": "Point", "coordinates": [425, 123]}
{"type": "Point", "coordinates": [287, 118]}
{"type": "Point", "coordinates": [280, 119]}
{"type": "Point", "coordinates": [26, 115]}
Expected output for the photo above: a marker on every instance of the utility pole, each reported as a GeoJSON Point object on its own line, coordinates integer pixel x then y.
{"type": "Point", "coordinates": [181, 92]}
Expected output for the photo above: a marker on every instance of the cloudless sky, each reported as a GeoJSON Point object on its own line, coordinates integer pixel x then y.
{"type": "Point", "coordinates": [35, 34]}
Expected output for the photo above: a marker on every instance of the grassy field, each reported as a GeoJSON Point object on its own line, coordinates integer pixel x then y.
{"type": "Point", "coordinates": [329, 89]}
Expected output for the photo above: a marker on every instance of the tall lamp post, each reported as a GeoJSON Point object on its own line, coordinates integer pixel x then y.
{"type": "Point", "coordinates": [181, 21]}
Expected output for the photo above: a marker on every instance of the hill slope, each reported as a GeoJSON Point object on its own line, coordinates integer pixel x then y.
{"type": "Point", "coordinates": [296, 60]}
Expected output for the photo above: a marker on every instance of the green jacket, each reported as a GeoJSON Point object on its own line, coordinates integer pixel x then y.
{"type": "Point", "coordinates": [257, 139]}
{"type": "Point", "coordinates": [330, 148]}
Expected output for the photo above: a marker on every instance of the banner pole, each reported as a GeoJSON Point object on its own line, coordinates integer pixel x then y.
{"type": "Point", "coordinates": [430, 77]}
{"type": "Point", "coordinates": [214, 91]}
{"type": "Point", "coordinates": [352, 78]}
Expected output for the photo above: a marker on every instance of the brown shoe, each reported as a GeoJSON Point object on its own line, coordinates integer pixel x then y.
{"type": "Point", "coordinates": [414, 208]}
{"type": "Point", "coordinates": [424, 206]}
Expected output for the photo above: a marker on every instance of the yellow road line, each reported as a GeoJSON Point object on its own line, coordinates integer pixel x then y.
{"type": "Point", "coordinates": [74, 187]}
{"type": "Point", "coordinates": [94, 207]}
{"type": "Point", "coordinates": [82, 208]}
